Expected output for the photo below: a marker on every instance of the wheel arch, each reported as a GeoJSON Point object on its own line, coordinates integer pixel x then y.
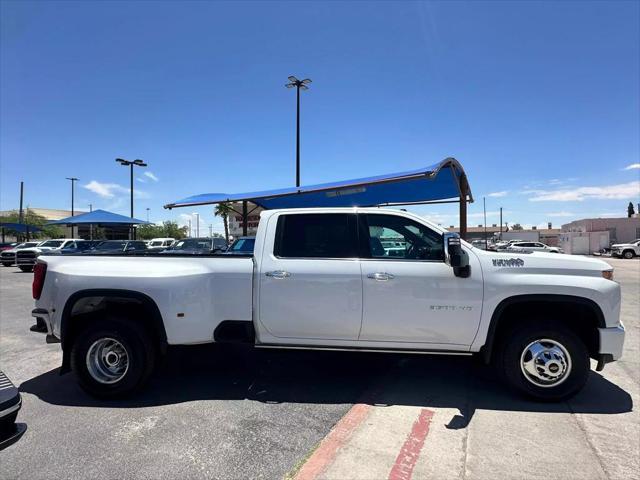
{"type": "Point", "coordinates": [69, 329]}
{"type": "Point", "coordinates": [500, 317]}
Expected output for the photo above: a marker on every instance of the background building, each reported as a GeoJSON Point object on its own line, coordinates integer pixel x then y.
{"type": "Point", "coordinates": [593, 234]}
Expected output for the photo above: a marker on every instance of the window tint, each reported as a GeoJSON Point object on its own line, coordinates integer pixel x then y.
{"type": "Point", "coordinates": [324, 235]}
{"type": "Point", "coordinates": [390, 236]}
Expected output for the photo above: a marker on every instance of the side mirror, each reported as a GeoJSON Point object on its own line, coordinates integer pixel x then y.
{"type": "Point", "coordinates": [455, 256]}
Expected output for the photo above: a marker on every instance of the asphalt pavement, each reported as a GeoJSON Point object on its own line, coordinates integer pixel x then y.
{"type": "Point", "coordinates": [237, 413]}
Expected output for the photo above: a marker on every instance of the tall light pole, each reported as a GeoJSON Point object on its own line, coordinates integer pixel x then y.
{"type": "Point", "coordinates": [147, 214]}
{"type": "Point", "coordinates": [130, 164]}
{"type": "Point", "coordinates": [299, 85]}
{"type": "Point", "coordinates": [73, 183]}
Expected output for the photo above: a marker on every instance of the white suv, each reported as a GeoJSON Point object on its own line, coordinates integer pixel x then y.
{"type": "Point", "coordinates": [626, 250]}
{"type": "Point", "coordinates": [532, 247]}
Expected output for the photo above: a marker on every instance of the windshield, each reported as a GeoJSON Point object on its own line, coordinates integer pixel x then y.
{"type": "Point", "coordinates": [243, 245]}
{"type": "Point", "coordinates": [193, 244]}
{"type": "Point", "coordinates": [110, 246]}
{"type": "Point", "coordinates": [155, 244]}
{"type": "Point", "coordinates": [52, 243]}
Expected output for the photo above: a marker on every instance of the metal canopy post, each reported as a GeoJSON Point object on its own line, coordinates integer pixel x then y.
{"type": "Point", "coordinates": [245, 218]}
{"type": "Point", "coordinates": [464, 189]}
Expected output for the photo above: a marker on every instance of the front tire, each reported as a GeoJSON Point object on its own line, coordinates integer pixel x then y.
{"type": "Point", "coordinates": [545, 361]}
{"type": "Point", "coordinates": [6, 264]}
{"type": "Point", "coordinates": [26, 268]}
{"type": "Point", "coordinates": [112, 358]}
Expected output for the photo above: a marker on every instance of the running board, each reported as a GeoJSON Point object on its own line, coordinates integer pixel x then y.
{"type": "Point", "coordinates": [368, 350]}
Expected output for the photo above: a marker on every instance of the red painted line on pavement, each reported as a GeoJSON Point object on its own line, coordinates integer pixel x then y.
{"type": "Point", "coordinates": [337, 437]}
{"type": "Point", "coordinates": [410, 451]}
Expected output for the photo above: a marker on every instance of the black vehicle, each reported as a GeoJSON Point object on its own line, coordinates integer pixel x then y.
{"type": "Point", "coordinates": [242, 246]}
{"type": "Point", "coordinates": [190, 246]}
{"type": "Point", "coordinates": [117, 246]}
{"type": "Point", "coordinates": [78, 246]}
{"type": "Point", "coordinates": [10, 404]}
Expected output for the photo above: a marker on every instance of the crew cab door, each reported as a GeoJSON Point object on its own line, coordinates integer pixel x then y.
{"type": "Point", "coordinates": [409, 294]}
{"type": "Point", "coordinates": [310, 284]}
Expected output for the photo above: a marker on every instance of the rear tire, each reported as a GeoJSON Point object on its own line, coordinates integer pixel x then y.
{"type": "Point", "coordinates": [112, 358]}
{"type": "Point", "coordinates": [546, 361]}
{"type": "Point", "coordinates": [4, 264]}
{"type": "Point", "coordinates": [26, 268]}
{"type": "Point", "coordinates": [628, 254]}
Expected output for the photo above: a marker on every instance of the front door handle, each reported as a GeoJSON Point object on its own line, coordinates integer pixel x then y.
{"type": "Point", "coordinates": [278, 274]}
{"type": "Point", "coordinates": [381, 276]}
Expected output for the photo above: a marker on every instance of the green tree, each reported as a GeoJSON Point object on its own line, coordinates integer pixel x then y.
{"type": "Point", "coordinates": [517, 226]}
{"type": "Point", "coordinates": [32, 218]}
{"type": "Point", "coordinates": [168, 229]}
{"type": "Point", "coordinates": [224, 210]}
{"type": "Point", "coordinates": [630, 210]}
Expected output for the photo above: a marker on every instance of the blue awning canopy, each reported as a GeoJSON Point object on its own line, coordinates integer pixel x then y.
{"type": "Point", "coordinates": [98, 217]}
{"type": "Point", "coordinates": [438, 182]}
{"type": "Point", "coordinates": [20, 227]}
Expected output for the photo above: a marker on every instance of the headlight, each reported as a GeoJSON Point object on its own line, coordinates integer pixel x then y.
{"type": "Point", "coordinates": [608, 274]}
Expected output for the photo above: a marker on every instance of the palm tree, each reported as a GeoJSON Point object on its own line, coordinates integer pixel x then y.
{"type": "Point", "coordinates": [224, 210]}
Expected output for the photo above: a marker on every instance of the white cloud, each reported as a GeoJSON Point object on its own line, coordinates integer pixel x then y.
{"type": "Point", "coordinates": [141, 180]}
{"type": "Point", "coordinates": [110, 190]}
{"type": "Point", "coordinates": [633, 166]}
{"type": "Point", "coordinates": [499, 194]}
{"type": "Point", "coordinates": [621, 191]}
{"type": "Point", "coordinates": [105, 190]}
{"type": "Point", "coordinates": [151, 176]}
{"type": "Point", "coordinates": [560, 214]}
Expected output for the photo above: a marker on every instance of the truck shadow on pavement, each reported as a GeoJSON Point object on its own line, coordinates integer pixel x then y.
{"type": "Point", "coordinates": [221, 372]}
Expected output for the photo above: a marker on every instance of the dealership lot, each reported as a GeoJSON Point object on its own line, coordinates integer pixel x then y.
{"type": "Point", "coordinates": [233, 413]}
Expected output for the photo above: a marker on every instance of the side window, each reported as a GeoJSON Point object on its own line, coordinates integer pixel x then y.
{"type": "Point", "coordinates": [319, 235]}
{"type": "Point", "coordinates": [391, 236]}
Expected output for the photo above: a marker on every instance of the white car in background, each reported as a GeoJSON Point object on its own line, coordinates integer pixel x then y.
{"type": "Point", "coordinates": [532, 247]}
{"type": "Point", "coordinates": [26, 257]}
{"type": "Point", "coordinates": [626, 250]}
{"type": "Point", "coordinates": [8, 257]}
{"type": "Point", "coordinates": [160, 243]}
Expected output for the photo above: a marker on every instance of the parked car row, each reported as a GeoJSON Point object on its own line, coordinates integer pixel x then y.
{"type": "Point", "coordinates": [24, 255]}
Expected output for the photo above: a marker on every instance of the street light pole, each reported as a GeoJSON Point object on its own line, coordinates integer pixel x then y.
{"type": "Point", "coordinates": [299, 85]}
{"type": "Point", "coordinates": [197, 225]}
{"type": "Point", "coordinates": [130, 164]}
{"type": "Point", "coordinates": [147, 214]}
{"type": "Point", "coordinates": [73, 182]}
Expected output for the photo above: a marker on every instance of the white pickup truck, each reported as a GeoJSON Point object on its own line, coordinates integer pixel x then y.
{"type": "Point", "coordinates": [321, 279]}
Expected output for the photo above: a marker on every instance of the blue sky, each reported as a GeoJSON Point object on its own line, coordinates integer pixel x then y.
{"type": "Point", "coordinates": [539, 100]}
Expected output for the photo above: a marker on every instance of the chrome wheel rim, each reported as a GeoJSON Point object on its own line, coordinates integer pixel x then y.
{"type": "Point", "coordinates": [545, 363]}
{"type": "Point", "coordinates": [107, 360]}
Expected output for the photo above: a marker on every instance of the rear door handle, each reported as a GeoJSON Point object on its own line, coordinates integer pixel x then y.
{"type": "Point", "coordinates": [278, 274]}
{"type": "Point", "coordinates": [381, 276]}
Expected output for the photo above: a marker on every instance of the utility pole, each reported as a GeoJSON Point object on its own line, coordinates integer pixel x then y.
{"type": "Point", "coordinates": [91, 224]}
{"type": "Point", "coordinates": [299, 85]}
{"type": "Point", "coordinates": [21, 213]}
{"type": "Point", "coordinates": [500, 223]}
{"type": "Point", "coordinates": [130, 164]}
{"type": "Point", "coordinates": [147, 214]}
{"type": "Point", "coordinates": [211, 231]}
{"type": "Point", "coordinates": [189, 228]}
{"type": "Point", "coordinates": [484, 208]}
{"type": "Point", "coordinates": [73, 183]}
{"type": "Point", "coordinates": [197, 225]}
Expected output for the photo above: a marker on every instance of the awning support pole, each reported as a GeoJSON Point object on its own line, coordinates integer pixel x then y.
{"type": "Point", "coordinates": [245, 218]}
{"type": "Point", "coordinates": [464, 188]}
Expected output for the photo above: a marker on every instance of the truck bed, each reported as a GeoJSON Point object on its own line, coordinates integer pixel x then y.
{"type": "Point", "coordinates": [194, 293]}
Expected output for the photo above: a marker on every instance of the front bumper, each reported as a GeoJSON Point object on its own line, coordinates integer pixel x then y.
{"type": "Point", "coordinates": [611, 342]}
